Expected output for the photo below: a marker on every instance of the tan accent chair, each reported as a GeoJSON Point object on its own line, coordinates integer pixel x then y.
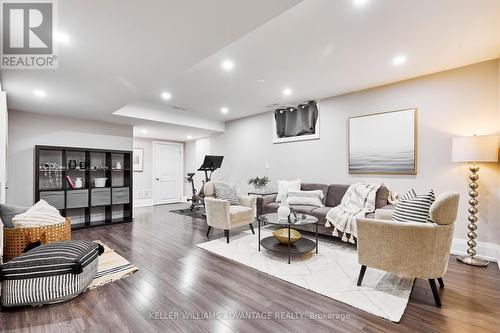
{"type": "Point", "coordinates": [221, 215]}
{"type": "Point", "coordinates": [411, 249]}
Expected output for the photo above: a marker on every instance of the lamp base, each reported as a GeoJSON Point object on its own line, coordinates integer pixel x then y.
{"type": "Point", "coordinates": [473, 261]}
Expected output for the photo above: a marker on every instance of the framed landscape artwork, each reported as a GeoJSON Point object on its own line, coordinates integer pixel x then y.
{"type": "Point", "coordinates": [383, 143]}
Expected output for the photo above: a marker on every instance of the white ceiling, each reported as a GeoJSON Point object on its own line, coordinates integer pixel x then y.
{"type": "Point", "coordinates": [123, 50]}
{"type": "Point", "coordinates": [170, 132]}
{"type": "Point", "coordinates": [317, 48]}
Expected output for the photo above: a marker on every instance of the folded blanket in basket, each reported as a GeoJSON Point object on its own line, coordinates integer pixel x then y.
{"type": "Point", "coordinates": [39, 215]}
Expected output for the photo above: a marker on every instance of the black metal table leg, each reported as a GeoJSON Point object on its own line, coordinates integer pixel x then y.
{"type": "Point", "coordinates": [259, 233]}
{"type": "Point", "coordinates": [316, 237]}
{"type": "Point", "coordinates": [288, 244]}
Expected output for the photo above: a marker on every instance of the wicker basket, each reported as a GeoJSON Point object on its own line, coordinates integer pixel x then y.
{"type": "Point", "coordinates": [15, 240]}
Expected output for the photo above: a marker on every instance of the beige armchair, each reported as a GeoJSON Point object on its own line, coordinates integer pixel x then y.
{"type": "Point", "coordinates": [221, 215]}
{"type": "Point", "coordinates": [412, 249]}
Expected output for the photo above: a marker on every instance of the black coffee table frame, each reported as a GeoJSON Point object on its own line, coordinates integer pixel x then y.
{"type": "Point", "coordinates": [302, 245]}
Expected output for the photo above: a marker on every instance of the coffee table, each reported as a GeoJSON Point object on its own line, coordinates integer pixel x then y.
{"type": "Point", "coordinates": [302, 245]}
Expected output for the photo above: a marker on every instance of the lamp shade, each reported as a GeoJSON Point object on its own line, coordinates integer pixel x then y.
{"type": "Point", "coordinates": [482, 148]}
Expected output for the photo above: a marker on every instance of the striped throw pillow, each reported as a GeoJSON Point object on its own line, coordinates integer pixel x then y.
{"type": "Point", "coordinates": [226, 192]}
{"type": "Point", "coordinates": [413, 207]}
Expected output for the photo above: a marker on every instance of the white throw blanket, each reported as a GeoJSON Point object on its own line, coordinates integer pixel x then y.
{"type": "Point", "coordinates": [39, 215]}
{"type": "Point", "coordinates": [358, 201]}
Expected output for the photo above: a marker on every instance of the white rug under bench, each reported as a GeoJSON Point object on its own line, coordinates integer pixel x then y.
{"type": "Point", "coordinates": [332, 273]}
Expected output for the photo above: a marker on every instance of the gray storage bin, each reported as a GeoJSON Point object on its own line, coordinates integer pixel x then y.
{"type": "Point", "coordinates": [54, 198]}
{"type": "Point", "coordinates": [77, 198]}
{"type": "Point", "coordinates": [120, 195]}
{"type": "Point", "coordinates": [100, 196]}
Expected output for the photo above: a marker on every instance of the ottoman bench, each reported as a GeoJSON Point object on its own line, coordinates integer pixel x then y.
{"type": "Point", "coordinates": [49, 273]}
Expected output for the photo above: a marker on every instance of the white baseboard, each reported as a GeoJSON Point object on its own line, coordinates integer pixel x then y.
{"type": "Point", "coordinates": [487, 251]}
{"type": "Point", "coordinates": [148, 202]}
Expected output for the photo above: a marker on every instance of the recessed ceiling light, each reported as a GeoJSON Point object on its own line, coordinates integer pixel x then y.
{"type": "Point", "coordinates": [399, 59]}
{"type": "Point", "coordinates": [360, 3]}
{"type": "Point", "coordinates": [260, 81]}
{"type": "Point", "coordinates": [227, 65]}
{"type": "Point", "coordinates": [39, 93]}
{"type": "Point", "coordinates": [224, 110]}
{"type": "Point", "coordinates": [144, 131]}
{"type": "Point", "coordinates": [166, 95]}
{"type": "Point", "coordinates": [61, 37]}
{"type": "Point", "coordinates": [287, 91]}
{"type": "Point", "coordinates": [189, 137]}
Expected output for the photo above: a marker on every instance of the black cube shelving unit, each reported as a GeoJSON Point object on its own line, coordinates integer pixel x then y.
{"type": "Point", "coordinates": [88, 206]}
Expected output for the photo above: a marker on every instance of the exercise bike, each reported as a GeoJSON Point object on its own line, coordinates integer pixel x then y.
{"type": "Point", "coordinates": [196, 200]}
{"type": "Point", "coordinates": [210, 164]}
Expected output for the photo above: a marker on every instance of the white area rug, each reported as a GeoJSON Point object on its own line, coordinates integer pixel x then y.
{"type": "Point", "coordinates": [333, 272]}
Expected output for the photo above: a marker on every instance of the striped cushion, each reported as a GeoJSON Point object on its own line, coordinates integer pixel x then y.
{"type": "Point", "coordinates": [226, 192]}
{"type": "Point", "coordinates": [48, 289]}
{"type": "Point", "coordinates": [413, 207]}
{"type": "Point", "coordinates": [52, 259]}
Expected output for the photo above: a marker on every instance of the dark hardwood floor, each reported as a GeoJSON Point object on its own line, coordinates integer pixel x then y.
{"type": "Point", "coordinates": [175, 276]}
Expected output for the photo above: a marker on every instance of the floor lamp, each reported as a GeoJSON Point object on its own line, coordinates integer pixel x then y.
{"type": "Point", "coordinates": [474, 149]}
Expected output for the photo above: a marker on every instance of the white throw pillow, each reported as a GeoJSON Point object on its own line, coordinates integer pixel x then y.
{"type": "Point", "coordinates": [309, 198]}
{"type": "Point", "coordinates": [287, 185]}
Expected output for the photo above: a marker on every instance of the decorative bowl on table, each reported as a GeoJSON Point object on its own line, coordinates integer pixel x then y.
{"type": "Point", "coordinates": [282, 235]}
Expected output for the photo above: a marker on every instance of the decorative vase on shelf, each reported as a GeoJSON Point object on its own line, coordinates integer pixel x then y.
{"type": "Point", "coordinates": [283, 212]}
{"type": "Point", "coordinates": [78, 182]}
{"type": "Point", "coordinates": [72, 164]}
{"type": "Point", "coordinates": [118, 166]}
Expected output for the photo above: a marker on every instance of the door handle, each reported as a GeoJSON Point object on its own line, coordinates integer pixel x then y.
{"type": "Point", "coordinates": [157, 178]}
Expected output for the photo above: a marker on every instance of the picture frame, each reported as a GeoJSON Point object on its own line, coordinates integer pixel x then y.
{"type": "Point", "coordinates": [138, 159]}
{"type": "Point", "coordinates": [383, 143]}
{"type": "Point", "coordinates": [316, 125]}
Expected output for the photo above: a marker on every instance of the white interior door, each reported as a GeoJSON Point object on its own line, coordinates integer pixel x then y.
{"type": "Point", "coordinates": [168, 170]}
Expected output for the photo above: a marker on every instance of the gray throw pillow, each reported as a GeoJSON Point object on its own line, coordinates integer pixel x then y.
{"type": "Point", "coordinates": [7, 212]}
{"type": "Point", "coordinates": [226, 192]}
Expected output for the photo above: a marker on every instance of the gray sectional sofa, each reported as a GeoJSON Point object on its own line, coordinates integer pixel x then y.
{"type": "Point", "coordinates": [333, 195]}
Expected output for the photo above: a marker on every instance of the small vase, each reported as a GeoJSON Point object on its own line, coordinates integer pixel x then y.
{"type": "Point", "coordinates": [72, 164]}
{"type": "Point", "coordinates": [283, 212]}
{"type": "Point", "coordinates": [260, 189]}
{"type": "Point", "coordinates": [78, 182]}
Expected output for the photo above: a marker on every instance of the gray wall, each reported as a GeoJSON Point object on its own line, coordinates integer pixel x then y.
{"type": "Point", "coordinates": [143, 181]}
{"type": "Point", "coordinates": [3, 145]}
{"type": "Point", "coordinates": [194, 154]}
{"type": "Point", "coordinates": [463, 101]}
{"type": "Point", "coordinates": [29, 129]}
